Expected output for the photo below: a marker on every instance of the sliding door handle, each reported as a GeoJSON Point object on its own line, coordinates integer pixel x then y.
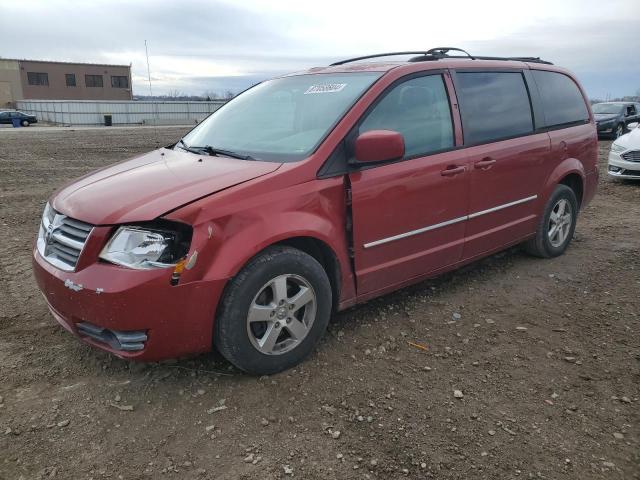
{"type": "Point", "coordinates": [484, 164]}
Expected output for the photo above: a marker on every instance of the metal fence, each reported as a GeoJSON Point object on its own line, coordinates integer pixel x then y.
{"type": "Point", "coordinates": [90, 112]}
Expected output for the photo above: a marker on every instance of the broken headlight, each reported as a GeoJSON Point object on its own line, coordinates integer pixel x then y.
{"type": "Point", "coordinates": [145, 248]}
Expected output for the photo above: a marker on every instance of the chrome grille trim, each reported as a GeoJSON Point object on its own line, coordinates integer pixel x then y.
{"type": "Point", "coordinates": [631, 156]}
{"type": "Point", "coordinates": [61, 240]}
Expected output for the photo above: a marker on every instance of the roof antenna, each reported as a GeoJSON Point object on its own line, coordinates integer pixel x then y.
{"type": "Point", "coordinates": [155, 127]}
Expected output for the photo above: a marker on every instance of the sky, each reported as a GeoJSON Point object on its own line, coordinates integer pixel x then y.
{"type": "Point", "coordinates": [198, 46]}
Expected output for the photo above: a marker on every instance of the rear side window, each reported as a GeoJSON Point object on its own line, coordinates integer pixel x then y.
{"type": "Point", "coordinates": [494, 105]}
{"type": "Point", "coordinates": [419, 110]}
{"type": "Point", "coordinates": [562, 101]}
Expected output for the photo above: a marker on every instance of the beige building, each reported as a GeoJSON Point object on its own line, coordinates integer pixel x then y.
{"type": "Point", "coordinates": [43, 80]}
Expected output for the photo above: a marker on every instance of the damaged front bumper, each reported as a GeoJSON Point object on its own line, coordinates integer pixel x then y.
{"type": "Point", "coordinates": [134, 314]}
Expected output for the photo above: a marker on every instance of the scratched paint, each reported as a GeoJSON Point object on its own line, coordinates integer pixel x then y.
{"type": "Point", "coordinates": [99, 290]}
{"type": "Point", "coordinates": [210, 230]}
{"type": "Point", "coordinates": [76, 287]}
{"type": "Point", "coordinates": [192, 260]}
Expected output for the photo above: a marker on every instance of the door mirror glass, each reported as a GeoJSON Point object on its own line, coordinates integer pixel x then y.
{"type": "Point", "coordinates": [379, 146]}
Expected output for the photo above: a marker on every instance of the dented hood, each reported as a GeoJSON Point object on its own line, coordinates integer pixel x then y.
{"type": "Point", "coordinates": [147, 186]}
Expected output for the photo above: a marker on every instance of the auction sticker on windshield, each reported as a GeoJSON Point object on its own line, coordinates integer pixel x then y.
{"type": "Point", "coordinates": [326, 88]}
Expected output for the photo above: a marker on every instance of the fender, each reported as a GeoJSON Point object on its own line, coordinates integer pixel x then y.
{"type": "Point", "coordinates": [314, 209]}
{"type": "Point", "coordinates": [566, 167]}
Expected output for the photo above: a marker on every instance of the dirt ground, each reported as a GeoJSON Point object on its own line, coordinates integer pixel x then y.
{"type": "Point", "coordinates": [545, 352]}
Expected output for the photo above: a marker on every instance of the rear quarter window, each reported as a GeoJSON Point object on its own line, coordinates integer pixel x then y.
{"type": "Point", "coordinates": [494, 106]}
{"type": "Point", "coordinates": [562, 101]}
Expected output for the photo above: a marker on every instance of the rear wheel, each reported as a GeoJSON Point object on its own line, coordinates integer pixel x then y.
{"type": "Point", "coordinates": [557, 225]}
{"type": "Point", "coordinates": [25, 123]}
{"type": "Point", "coordinates": [274, 311]}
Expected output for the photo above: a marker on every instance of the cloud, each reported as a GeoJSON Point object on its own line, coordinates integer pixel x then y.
{"type": "Point", "coordinates": [198, 45]}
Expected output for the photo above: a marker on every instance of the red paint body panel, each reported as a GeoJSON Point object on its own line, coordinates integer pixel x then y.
{"type": "Point", "coordinates": [178, 319]}
{"type": "Point", "coordinates": [517, 174]}
{"type": "Point", "coordinates": [148, 186]}
{"type": "Point", "coordinates": [403, 197]}
{"type": "Point", "coordinates": [237, 208]}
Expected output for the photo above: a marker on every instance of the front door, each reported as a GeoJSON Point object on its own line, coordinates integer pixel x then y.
{"type": "Point", "coordinates": [409, 216]}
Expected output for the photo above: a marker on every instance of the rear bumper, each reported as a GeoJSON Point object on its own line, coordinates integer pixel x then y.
{"type": "Point", "coordinates": [128, 305]}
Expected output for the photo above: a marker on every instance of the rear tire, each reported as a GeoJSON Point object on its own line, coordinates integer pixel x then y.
{"type": "Point", "coordinates": [557, 224]}
{"type": "Point", "coordinates": [274, 311]}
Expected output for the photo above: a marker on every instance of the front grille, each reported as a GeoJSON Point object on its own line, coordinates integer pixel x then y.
{"type": "Point", "coordinates": [631, 173]}
{"type": "Point", "coordinates": [62, 239]}
{"type": "Point", "coordinates": [632, 156]}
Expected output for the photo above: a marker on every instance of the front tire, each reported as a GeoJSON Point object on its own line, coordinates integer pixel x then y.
{"type": "Point", "coordinates": [619, 131]}
{"type": "Point", "coordinates": [274, 311]}
{"type": "Point", "coordinates": [25, 123]}
{"type": "Point", "coordinates": [557, 224]}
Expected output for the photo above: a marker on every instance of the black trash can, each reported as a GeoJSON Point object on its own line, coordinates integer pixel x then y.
{"type": "Point", "coordinates": [108, 120]}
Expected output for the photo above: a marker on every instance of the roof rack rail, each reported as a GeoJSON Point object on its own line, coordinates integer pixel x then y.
{"type": "Point", "coordinates": [440, 53]}
{"type": "Point", "coordinates": [518, 59]}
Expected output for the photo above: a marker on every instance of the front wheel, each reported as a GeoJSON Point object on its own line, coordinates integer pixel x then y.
{"type": "Point", "coordinates": [557, 225]}
{"type": "Point", "coordinates": [619, 131]}
{"type": "Point", "coordinates": [274, 311]}
{"type": "Point", "coordinates": [25, 123]}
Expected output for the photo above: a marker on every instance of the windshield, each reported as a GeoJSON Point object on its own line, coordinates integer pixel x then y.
{"type": "Point", "coordinates": [281, 120]}
{"type": "Point", "coordinates": [611, 108]}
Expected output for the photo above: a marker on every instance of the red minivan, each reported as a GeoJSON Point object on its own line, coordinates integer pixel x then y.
{"type": "Point", "coordinates": [312, 192]}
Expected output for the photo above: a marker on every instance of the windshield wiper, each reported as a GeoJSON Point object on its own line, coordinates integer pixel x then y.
{"type": "Point", "coordinates": [186, 147]}
{"type": "Point", "coordinates": [227, 153]}
{"type": "Point", "coordinates": [214, 151]}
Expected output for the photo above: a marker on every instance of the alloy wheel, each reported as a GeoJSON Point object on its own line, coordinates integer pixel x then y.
{"type": "Point", "coordinates": [281, 314]}
{"type": "Point", "coordinates": [560, 222]}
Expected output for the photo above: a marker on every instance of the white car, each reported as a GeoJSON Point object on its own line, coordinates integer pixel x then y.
{"type": "Point", "coordinates": [624, 157]}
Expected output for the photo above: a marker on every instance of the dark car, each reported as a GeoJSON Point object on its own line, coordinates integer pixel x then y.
{"type": "Point", "coordinates": [25, 118]}
{"type": "Point", "coordinates": [612, 118]}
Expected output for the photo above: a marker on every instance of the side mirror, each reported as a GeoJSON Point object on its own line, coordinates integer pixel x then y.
{"type": "Point", "coordinates": [379, 146]}
{"type": "Point", "coordinates": [632, 125]}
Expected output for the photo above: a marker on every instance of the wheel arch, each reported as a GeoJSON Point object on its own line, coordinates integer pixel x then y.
{"type": "Point", "coordinates": [328, 255]}
{"type": "Point", "coordinates": [569, 172]}
{"type": "Point", "coordinates": [324, 255]}
{"type": "Point", "coordinates": [576, 183]}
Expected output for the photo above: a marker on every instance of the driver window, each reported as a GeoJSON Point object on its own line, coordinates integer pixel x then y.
{"type": "Point", "coordinates": [419, 110]}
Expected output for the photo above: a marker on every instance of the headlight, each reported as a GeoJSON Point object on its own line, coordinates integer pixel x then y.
{"type": "Point", "coordinates": [616, 147]}
{"type": "Point", "coordinates": [146, 248]}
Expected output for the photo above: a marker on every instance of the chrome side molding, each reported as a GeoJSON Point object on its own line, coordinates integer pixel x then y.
{"type": "Point", "coordinates": [448, 222]}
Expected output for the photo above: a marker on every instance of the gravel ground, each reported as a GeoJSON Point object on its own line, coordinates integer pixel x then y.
{"type": "Point", "coordinates": [532, 367]}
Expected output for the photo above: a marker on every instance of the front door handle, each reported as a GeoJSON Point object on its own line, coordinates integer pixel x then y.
{"type": "Point", "coordinates": [484, 164]}
{"type": "Point", "coordinates": [452, 170]}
